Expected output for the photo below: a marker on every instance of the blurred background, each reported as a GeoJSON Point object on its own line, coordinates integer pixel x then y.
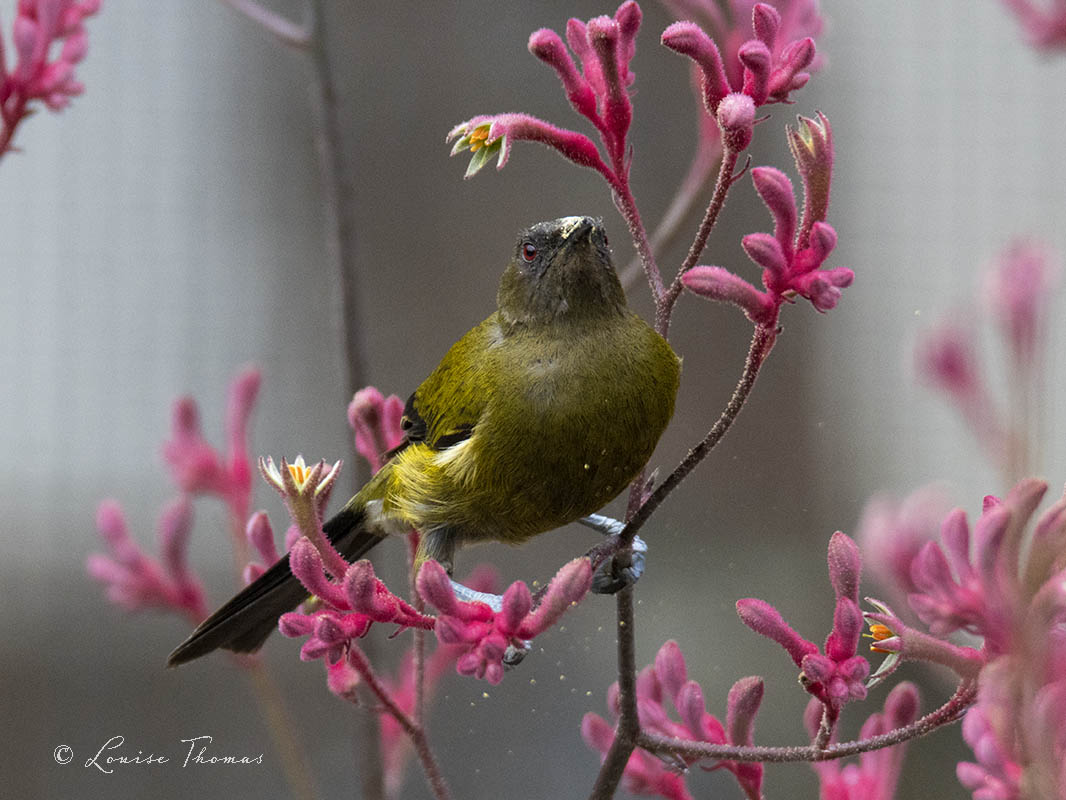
{"type": "Point", "coordinates": [169, 228]}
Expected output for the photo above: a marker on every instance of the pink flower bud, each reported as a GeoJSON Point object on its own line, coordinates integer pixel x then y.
{"type": "Point", "coordinates": [757, 60]}
{"type": "Point", "coordinates": [261, 536]}
{"type": "Point", "coordinates": [670, 669]}
{"type": "Point", "coordinates": [845, 566]}
{"type": "Point", "coordinates": [718, 283]}
{"type": "Point", "coordinates": [743, 704]}
{"type": "Point", "coordinates": [764, 619]}
{"type": "Point", "coordinates": [546, 45]}
{"type": "Point", "coordinates": [765, 250]}
{"type": "Point", "coordinates": [306, 565]}
{"type": "Point", "coordinates": [775, 189]}
{"type": "Point", "coordinates": [294, 624]}
{"type": "Point", "coordinates": [690, 40]}
{"type": "Point", "coordinates": [736, 116]}
{"type": "Point", "coordinates": [765, 22]}
{"type": "Point", "coordinates": [175, 525]}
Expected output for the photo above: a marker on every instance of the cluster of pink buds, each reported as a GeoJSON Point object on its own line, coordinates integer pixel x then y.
{"type": "Point", "coordinates": [197, 467]}
{"type": "Point", "coordinates": [770, 72]}
{"type": "Point", "coordinates": [598, 90]}
{"type": "Point", "coordinates": [137, 581]}
{"type": "Point", "coordinates": [38, 73]}
{"type": "Point", "coordinates": [665, 682]}
{"type": "Point", "coordinates": [1018, 288]}
{"type": "Point", "coordinates": [793, 255]}
{"type": "Point", "coordinates": [985, 581]}
{"type": "Point", "coordinates": [834, 675]}
{"type": "Point", "coordinates": [485, 633]}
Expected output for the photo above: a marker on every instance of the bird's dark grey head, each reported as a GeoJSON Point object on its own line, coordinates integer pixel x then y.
{"type": "Point", "coordinates": [560, 270]}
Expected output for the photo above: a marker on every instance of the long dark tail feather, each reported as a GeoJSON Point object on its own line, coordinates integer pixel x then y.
{"type": "Point", "coordinates": [247, 619]}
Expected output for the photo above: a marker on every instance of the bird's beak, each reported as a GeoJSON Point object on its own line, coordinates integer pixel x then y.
{"type": "Point", "coordinates": [580, 232]}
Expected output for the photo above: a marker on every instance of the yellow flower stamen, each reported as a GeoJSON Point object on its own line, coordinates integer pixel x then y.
{"type": "Point", "coordinates": [879, 633]}
{"type": "Point", "coordinates": [299, 471]}
{"type": "Point", "coordinates": [479, 138]}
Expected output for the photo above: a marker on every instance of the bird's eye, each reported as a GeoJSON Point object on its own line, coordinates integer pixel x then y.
{"type": "Point", "coordinates": [529, 252]}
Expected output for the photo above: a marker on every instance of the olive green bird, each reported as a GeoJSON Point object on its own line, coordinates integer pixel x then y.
{"type": "Point", "coordinates": [537, 417]}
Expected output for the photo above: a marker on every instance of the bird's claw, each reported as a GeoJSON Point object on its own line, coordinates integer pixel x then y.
{"type": "Point", "coordinates": [621, 569]}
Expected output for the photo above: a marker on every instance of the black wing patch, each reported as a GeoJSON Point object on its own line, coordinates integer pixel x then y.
{"type": "Point", "coordinates": [415, 429]}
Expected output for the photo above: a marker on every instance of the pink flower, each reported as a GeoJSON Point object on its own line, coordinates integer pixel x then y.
{"type": "Point", "coordinates": [876, 775]}
{"type": "Point", "coordinates": [1018, 290]}
{"type": "Point", "coordinates": [973, 587]}
{"type": "Point", "coordinates": [793, 255]}
{"type": "Point", "coordinates": [1043, 21]}
{"type": "Point", "coordinates": [996, 775]}
{"type": "Point", "coordinates": [597, 89]}
{"type": "Point", "coordinates": [38, 74]}
{"type": "Point", "coordinates": [195, 464]}
{"type": "Point", "coordinates": [137, 581]}
{"type": "Point", "coordinates": [375, 420]}
{"type": "Point", "coordinates": [668, 680]}
{"type": "Point", "coordinates": [892, 532]}
{"type": "Point", "coordinates": [730, 24]}
{"type": "Point", "coordinates": [835, 675]}
{"type": "Point", "coordinates": [764, 68]}
{"type": "Point", "coordinates": [486, 634]}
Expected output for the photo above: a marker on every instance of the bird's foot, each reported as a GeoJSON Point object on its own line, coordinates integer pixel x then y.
{"type": "Point", "coordinates": [621, 569]}
{"type": "Point", "coordinates": [516, 651]}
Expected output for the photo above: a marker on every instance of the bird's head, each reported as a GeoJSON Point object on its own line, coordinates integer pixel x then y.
{"type": "Point", "coordinates": [560, 270]}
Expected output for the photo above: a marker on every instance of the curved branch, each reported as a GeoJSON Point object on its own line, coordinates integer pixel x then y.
{"type": "Point", "coordinates": [964, 696]}
{"type": "Point", "coordinates": [761, 343]}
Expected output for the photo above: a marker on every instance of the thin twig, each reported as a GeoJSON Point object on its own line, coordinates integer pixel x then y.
{"type": "Point", "coordinates": [339, 207]}
{"type": "Point", "coordinates": [627, 207]}
{"type": "Point", "coordinates": [665, 303]}
{"type": "Point", "coordinates": [284, 30]}
{"type": "Point", "coordinates": [293, 756]}
{"type": "Point", "coordinates": [761, 343]}
{"type": "Point", "coordinates": [628, 728]}
{"type": "Point", "coordinates": [964, 696]}
{"type": "Point", "coordinates": [699, 172]}
{"type": "Point", "coordinates": [415, 731]}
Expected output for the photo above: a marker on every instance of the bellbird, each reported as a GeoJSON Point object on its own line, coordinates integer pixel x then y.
{"type": "Point", "coordinates": [538, 416]}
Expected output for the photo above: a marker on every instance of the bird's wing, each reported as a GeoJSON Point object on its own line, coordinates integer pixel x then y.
{"type": "Point", "coordinates": [445, 409]}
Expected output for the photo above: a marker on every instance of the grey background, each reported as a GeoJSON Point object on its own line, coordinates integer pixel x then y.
{"type": "Point", "coordinates": [167, 229]}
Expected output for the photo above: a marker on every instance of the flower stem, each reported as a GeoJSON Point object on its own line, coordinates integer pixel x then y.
{"type": "Point", "coordinates": [761, 343]}
{"type": "Point", "coordinates": [415, 731]}
{"type": "Point", "coordinates": [964, 696]}
{"type": "Point", "coordinates": [664, 307]}
{"type": "Point", "coordinates": [699, 172]}
{"type": "Point", "coordinates": [339, 206]}
{"type": "Point", "coordinates": [285, 31]}
{"type": "Point", "coordinates": [627, 207]}
{"type": "Point", "coordinates": [627, 731]}
{"type": "Point", "coordinates": [293, 756]}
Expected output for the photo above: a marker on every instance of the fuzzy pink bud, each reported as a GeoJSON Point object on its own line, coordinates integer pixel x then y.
{"type": "Point", "coordinates": [546, 45]}
{"type": "Point", "coordinates": [689, 39]}
{"type": "Point", "coordinates": [718, 283]}
{"type": "Point", "coordinates": [742, 706]}
{"type": "Point", "coordinates": [670, 668]}
{"type": "Point", "coordinates": [736, 117]}
{"type": "Point", "coordinates": [765, 21]}
{"type": "Point", "coordinates": [845, 566]}
{"type": "Point", "coordinates": [757, 60]}
{"type": "Point", "coordinates": [764, 619]}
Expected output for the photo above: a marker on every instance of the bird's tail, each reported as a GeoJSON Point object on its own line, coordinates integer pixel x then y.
{"type": "Point", "coordinates": [247, 619]}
